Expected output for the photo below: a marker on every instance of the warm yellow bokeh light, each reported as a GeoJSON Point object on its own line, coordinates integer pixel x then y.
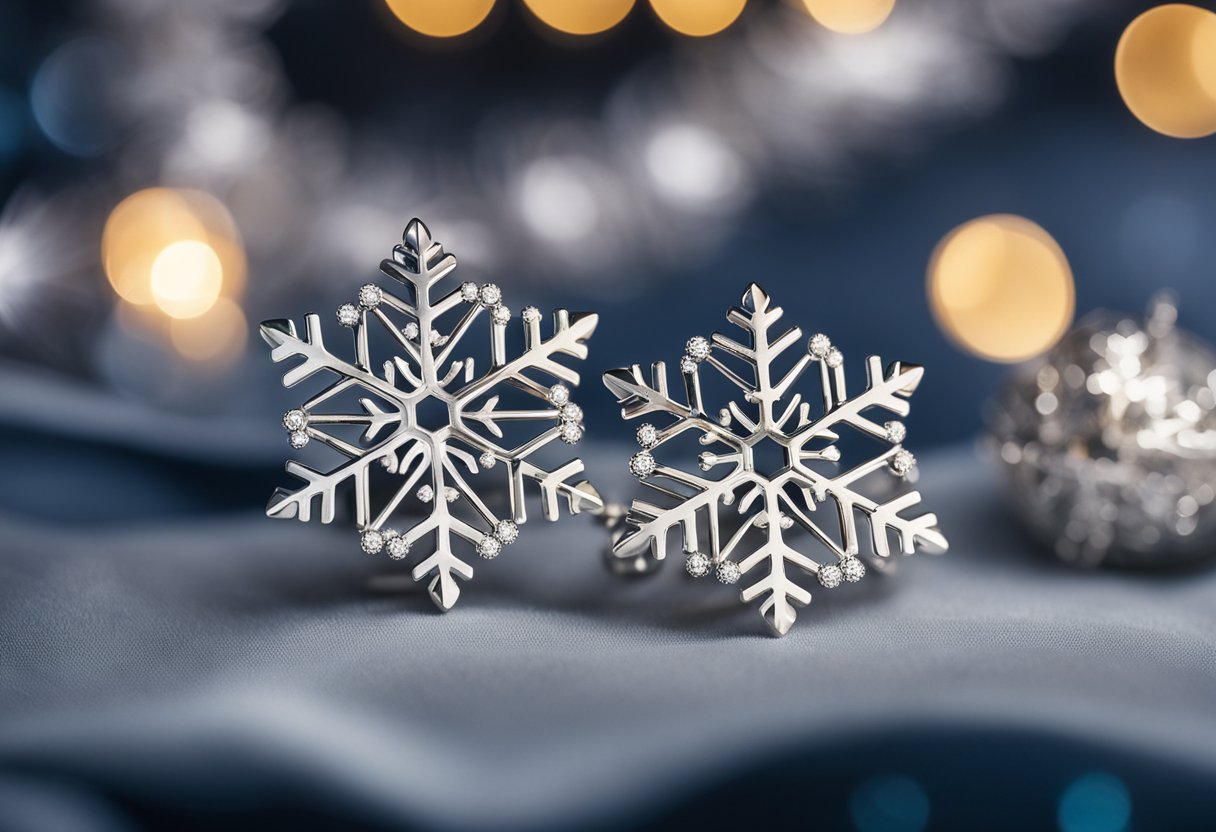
{"type": "Point", "coordinates": [217, 337]}
{"type": "Point", "coordinates": [580, 17]}
{"type": "Point", "coordinates": [186, 279]}
{"type": "Point", "coordinates": [441, 18]}
{"type": "Point", "coordinates": [698, 18]}
{"type": "Point", "coordinates": [1165, 67]}
{"type": "Point", "coordinates": [145, 223]}
{"type": "Point", "coordinates": [850, 17]}
{"type": "Point", "coordinates": [1001, 287]}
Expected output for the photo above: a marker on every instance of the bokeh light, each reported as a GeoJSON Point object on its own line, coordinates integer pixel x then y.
{"type": "Point", "coordinates": [691, 164]}
{"type": "Point", "coordinates": [69, 96]}
{"type": "Point", "coordinates": [889, 804]}
{"type": "Point", "coordinates": [1096, 802]}
{"type": "Point", "coordinates": [186, 279]}
{"type": "Point", "coordinates": [1165, 68]}
{"type": "Point", "coordinates": [698, 18]}
{"type": "Point", "coordinates": [580, 17]}
{"type": "Point", "coordinates": [217, 337]}
{"type": "Point", "coordinates": [144, 224]}
{"type": "Point", "coordinates": [1001, 287]}
{"type": "Point", "coordinates": [557, 202]}
{"type": "Point", "coordinates": [441, 18]}
{"type": "Point", "coordinates": [850, 17]}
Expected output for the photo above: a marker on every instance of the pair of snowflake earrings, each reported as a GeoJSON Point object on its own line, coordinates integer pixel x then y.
{"type": "Point", "coordinates": [417, 429]}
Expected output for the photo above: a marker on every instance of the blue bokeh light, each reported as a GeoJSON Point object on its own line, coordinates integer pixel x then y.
{"type": "Point", "coordinates": [891, 803]}
{"type": "Point", "coordinates": [1095, 802]}
{"type": "Point", "coordinates": [69, 96]}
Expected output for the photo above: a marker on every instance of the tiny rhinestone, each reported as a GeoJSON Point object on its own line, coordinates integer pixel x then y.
{"type": "Point", "coordinates": [500, 314]}
{"type": "Point", "coordinates": [490, 295]}
{"type": "Point", "coordinates": [348, 314]}
{"type": "Point", "coordinates": [572, 413]}
{"type": "Point", "coordinates": [410, 331]}
{"type": "Point", "coordinates": [642, 465]}
{"type": "Point", "coordinates": [697, 348]}
{"type": "Point", "coordinates": [819, 345]}
{"type": "Point", "coordinates": [786, 522]}
{"type": "Point", "coordinates": [648, 435]}
{"type": "Point", "coordinates": [506, 532]}
{"type": "Point", "coordinates": [295, 419]}
{"type": "Point", "coordinates": [728, 572]}
{"type": "Point", "coordinates": [370, 296]}
{"type": "Point", "coordinates": [697, 565]}
{"type": "Point", "coordinates": [688, 365]}
{"type": "Point", "coordinates": [298, 439]}
{"type": "Point", "coordinates": [386, 462]}
{"type": "Point", "coordinates": [425, 494]}
{"type": "Point", "coordinates": [398, 547]}
{"type": "Point", "coordinates": [372, 541]}
{"type": "Point", "coordinates": [489, 547]}
{"type": "Point", "coordinates": [570, 432]}
{"type": "Point", "coordinates": [830, 576]}
{"type": "Point", "coordinates": [487, 460]}
{"type": "Point", "coordinates": [451, 494]}
{"type": "Point", "coordinates": [530, 314]}
{"type": "Point", "coordinates": [436, 339]}
{"type": "Point", "coordinates": [724, 417]}
{"type": "Point", "coordinates": [896, 432]}
{"type": "Point", "coordinates": [708, 460]}
{"type": "Point", "coordinates": [762, 522]}
{"type": "Point", "coordinates": [852, 569]}
{"type": "Point", "coordinates": [834, 359]}
{"type": "Point", "coordinates": [902, 462]}
{"type": "Point", "coordinates": [559, 394]}
{"type": "Point", "coordinates": [468, 292]}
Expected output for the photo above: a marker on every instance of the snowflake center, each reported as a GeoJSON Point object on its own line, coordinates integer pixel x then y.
{"type": "Point", "coordinates": [765, 454]}
{"type": "Point", "coordinates": [432, 414]}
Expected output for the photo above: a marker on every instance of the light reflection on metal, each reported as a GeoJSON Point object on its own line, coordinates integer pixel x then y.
{"type": "Point", "coordinates": [1108, 443]}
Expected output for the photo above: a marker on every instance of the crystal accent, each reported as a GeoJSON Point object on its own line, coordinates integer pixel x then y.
{"type": "Point", "coordinates": [902, 462]}
{"type": "Point", "coordinates": [410, 331]}
{"type": "Point", "coordinates": [896, 432]}
{"type": "Point", "coordinates": [370, 296]}
{"type": "Point", "coordinates": [697, 348]}
{"type": "Point", "coordinates": [490, 295]}
{"type": "Point", "coordinates": [500, 314]}
{"type": "Point", "coordinates": [570, 432]}
{"type": "Point", "coordinates": [489, 547]}
{"type": "Point", "coordinates": [487, 460]}
{"type": "Point", "coordinates": [648, 435]}
{"type": "Point", "coordinates": [295, 419]}
{"type": "Point", "coordinates": [819, 345]}
{"type": "Point", "coordinates": [298, 439]}
{"type": "Point", "coordinates": [834, 358]}
{"type": "Point", "coordinates": [468, 292]}
{"type": "Point", "coordinates": [506, 531]}
{"type": "Point", "coordinates": [425, 494]}
{"type": "Point", "coordinates": [697, 565]}
{"type": "Point", "coordinates": [398, 547]}
{"type": "Point", "coordinates": [724, 417]}
{"type": "Point", "coordinates": [372, 541]}
{"type": "Point", "coordinates": [830, 576]}
{"type": "Point", "coordinates": [348, 315]}
{"type": "Point", "coordinates": [642, 465]}
{"type": "Point", "coordinates": [451, 494]}
{"type": "Point", "coordinates": [728, 572]}
{"type": "Point", "coordinates": [559, 394]}
{"type": "Point", "coordinates": [852, 569]}
{"type": "Point", "coordinates": [572, 413]}
{"type": "Point", "coordinates": [688, 365]}
{"type": "Point", "coordinates": [530, 315]}
{"type": "Point", "coordinates": [786, 521]}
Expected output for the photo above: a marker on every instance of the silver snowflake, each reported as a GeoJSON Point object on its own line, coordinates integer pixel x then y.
{"type": "Point", "coordinates": [429, 466]}
{"type": "Point", "coordinates": [770, 504]}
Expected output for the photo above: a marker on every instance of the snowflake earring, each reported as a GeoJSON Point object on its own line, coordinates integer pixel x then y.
{"type": "Point", "coordinates": [391, 430]}
{"type": "Point", "coordinates": [772, 505]}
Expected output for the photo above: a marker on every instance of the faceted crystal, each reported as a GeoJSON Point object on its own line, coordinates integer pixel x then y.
{"type": "Point", "coordinates": [697, 565]}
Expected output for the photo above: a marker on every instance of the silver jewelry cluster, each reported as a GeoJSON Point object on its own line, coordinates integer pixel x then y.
{"type": "Point", "coordinates": [1108, 442]}
{"type": "Point", "coordinates": [805, 498]}
{"type": "Point", "coordinates": [432, 470]}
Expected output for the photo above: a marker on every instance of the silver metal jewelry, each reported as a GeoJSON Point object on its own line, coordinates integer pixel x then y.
{"type": "Point", "coordinates": [770, 504]}
{"type": "Point", "coordinates": [430, 468]}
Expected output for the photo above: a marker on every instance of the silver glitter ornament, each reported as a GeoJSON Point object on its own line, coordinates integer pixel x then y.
{"type": "Point", "coordinates": [1108, 442]}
